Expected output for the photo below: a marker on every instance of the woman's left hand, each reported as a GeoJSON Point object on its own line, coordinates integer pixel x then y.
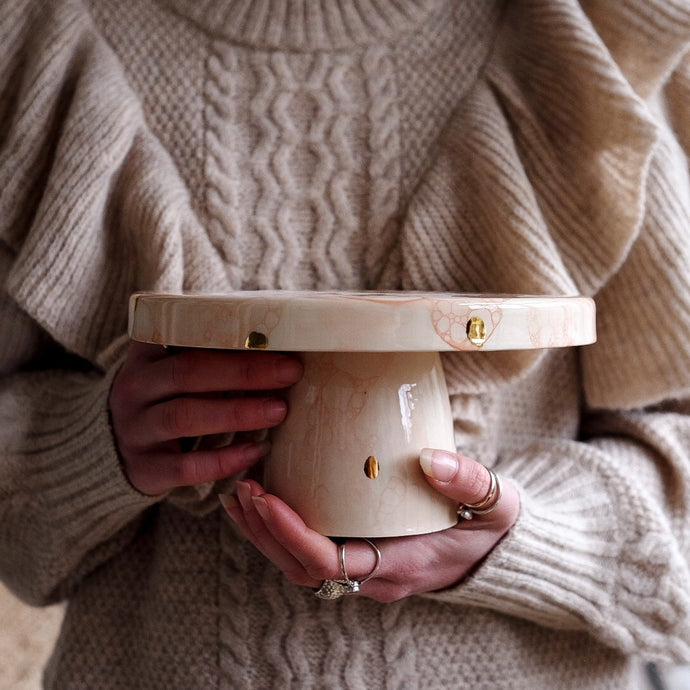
{"type": "Point", "coordinates": [409, 565]}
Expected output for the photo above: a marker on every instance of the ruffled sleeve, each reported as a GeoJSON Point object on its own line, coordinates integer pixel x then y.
{"type": "Point", "coordinates": [90, 202]}
{"type": "Point", "coordinates": [538, 185]}
{"type": "Point", "coordinates": [91, 209]}
{"type": "Point", "coordinates": [562, 173]}
{"type": "Point", "coordinates": [566, 171]}
{"type": "Point", "coordinates": [642, 356]}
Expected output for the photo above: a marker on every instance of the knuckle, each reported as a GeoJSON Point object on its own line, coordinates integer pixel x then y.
{"type": "Point", "coordinates": [318, 571]}
{"type": "Point", "coordinates": [177, 417]}
{"type": "Point", "coordinates": [476, 482]}
{"type": "Point", "coordinates": [297, 577]}
{"type": "Point", "coordinates": [199, 467]}
{"type": "Point", "coordinates": [246, 413]}
{"type": "Point", "coordinates": [239, 370]}
{"type": "Point", "coordinates": [245, 372]}
{"type": "Point", "coordinates": [255, 370]}
{"type": "Point", "coordinates": [189, 472]}
{"type": "Point", "coordinates": [235, 415]}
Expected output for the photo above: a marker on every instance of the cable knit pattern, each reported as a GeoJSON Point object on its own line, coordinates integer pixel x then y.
{"type": "Point", "coordinates": [270, 239]}
{"type": "Point", "coordinates": [514, 146]}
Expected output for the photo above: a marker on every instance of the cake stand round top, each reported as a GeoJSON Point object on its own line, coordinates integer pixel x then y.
{"type": "Point", "coordinates": [342, 321]}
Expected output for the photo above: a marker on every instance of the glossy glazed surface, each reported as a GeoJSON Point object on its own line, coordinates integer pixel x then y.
{"type": "Point", "coordinates": [361, 321]}
{"type": "Point", "coordinates": [347, 456]}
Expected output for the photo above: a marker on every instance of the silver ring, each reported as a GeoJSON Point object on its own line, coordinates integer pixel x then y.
{"type": "Point", "coordinates": [466, 511]}
{"type": "Point", "coordinates": [334, 589]}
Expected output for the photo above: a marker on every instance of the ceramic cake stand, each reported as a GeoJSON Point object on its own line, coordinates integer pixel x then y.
{"type": "Point", "coordinates": [373, 394]}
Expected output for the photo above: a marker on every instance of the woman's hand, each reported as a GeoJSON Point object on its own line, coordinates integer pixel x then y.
{"type": "Point", "coordinates": [409, 565]}
{"type": "Point", "coordinates": [160, 397]}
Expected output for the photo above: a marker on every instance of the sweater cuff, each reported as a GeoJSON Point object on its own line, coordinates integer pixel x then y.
{"type": "Point", "coordinates": [90, 484]}
{"type": "Point", "coordinates": [527, 575]}
{"type": "Point", "coordinates": [577, 558]}
{"type": "Point", "coordinates": [71, 500]}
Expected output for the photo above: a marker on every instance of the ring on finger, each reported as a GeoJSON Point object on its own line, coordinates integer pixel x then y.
{"type": "Point", "coordinates": [357, 583]}
{"type": "Point", "coordinates": [334, 589]}
{"type": "Point", "coordinates": [466, 511]}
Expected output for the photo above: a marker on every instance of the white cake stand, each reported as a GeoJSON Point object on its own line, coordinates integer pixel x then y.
{"type": "Point", "coordinates": [373, 393]}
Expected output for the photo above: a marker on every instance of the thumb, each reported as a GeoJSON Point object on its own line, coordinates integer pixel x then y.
{"type": "Point", "coordinates": [469, 482]}
{"type": "Point", "coordinates": [456, 476]}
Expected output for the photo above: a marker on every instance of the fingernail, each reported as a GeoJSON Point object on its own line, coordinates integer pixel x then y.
{"type": "Point", "coordinates": [228, 501]}
{"type": "Point", "coordinates": [244, 492]}
{"type": "Point", "coordinates": [288, 370]}
{"type": "Point", "coordinates": [438, 464]}
{"type": "Point", "coordinates": [261, 505]}
{"type": "Point", "coordinates": [274, 411]}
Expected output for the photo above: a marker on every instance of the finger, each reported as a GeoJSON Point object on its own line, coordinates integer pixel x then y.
{"type": "Point", "coordinates": [235, 511]}
{"type": "Point", "coordinates": [420, 563]}
{"type": "Point", "coordinates": [132, 386]}
{"type": "Point", "coordinates": [363, 560]}
{"type": "Point", "coordinates": [252, 522]}
{"type": "Point", "coordinates": [166, 471]}
{"type": "Point", "coordinates": [202, 371]}
{"type": "Point", "coordinates": [469, 482]}
{"type": "Point", "coordinates": [232, 507]}
{"type": "Point", "coordinates": [194, 416]}
{"type": "Point", "coordinates": [317, 554]}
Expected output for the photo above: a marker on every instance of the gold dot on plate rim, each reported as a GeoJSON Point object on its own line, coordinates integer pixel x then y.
{"type": "Point", "coordinates": [256, 341]}
{"type": "Point", "coordinates": [476, 331]}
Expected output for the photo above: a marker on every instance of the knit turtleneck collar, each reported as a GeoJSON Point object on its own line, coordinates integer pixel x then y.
{"type": "Point", "coordinates": [305, 24]}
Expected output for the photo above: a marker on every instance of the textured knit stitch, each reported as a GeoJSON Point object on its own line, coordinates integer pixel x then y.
{"type": "Point", "coordinates": [519, 147]}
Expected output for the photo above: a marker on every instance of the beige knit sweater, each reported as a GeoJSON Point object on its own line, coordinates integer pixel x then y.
{"type": "Point", "coordinates": [474, 146]}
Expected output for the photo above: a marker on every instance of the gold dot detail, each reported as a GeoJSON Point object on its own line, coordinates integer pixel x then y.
{"type": "Point", "coordinates": [371, 467]}
{"type": "Point", "coordinates": [256, 341]}
{"type": "Point", "coordinates": [476, 331]}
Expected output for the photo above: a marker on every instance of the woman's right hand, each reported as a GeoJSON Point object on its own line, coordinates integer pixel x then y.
{"type": "Point", "coordinates": [160, 397]}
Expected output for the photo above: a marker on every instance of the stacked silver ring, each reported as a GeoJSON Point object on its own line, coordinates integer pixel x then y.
{"type": "Point", "coordinates": [334, 589]}
{"type": "Point", "coordinates": [466, 511]}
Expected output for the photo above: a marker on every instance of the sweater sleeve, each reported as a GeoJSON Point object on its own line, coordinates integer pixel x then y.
{"type": "Point", "coordinates": [92, 206]}
{"type": "Point", "coordinates": [91, 209]}
{"type": "Point", "coordinates": [65, 504]}
{"type": "Point", "coordinates": [602, 543]}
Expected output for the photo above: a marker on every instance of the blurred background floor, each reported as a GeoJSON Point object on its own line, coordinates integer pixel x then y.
{"type": "Point", "coordinates": [27, 636]}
